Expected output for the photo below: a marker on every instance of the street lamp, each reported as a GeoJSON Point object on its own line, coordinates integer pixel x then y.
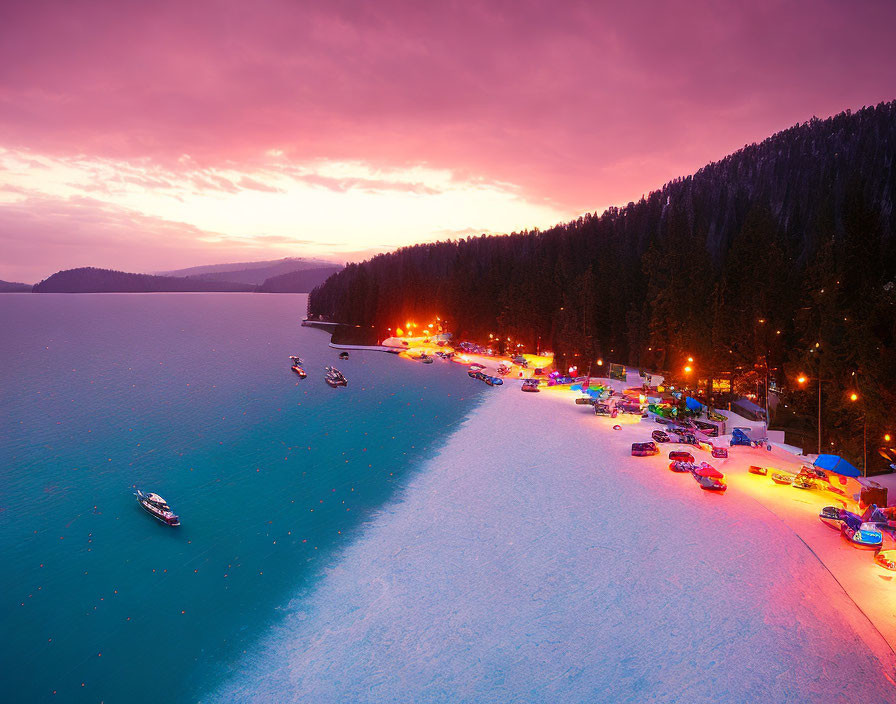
{"type": "Point", "coordinates": [801, 379]}
{"type": "Point", "coordinates": [855, 397]}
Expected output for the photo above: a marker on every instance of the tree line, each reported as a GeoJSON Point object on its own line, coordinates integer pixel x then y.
{"type": "Point", "coordinates": [751, 261]}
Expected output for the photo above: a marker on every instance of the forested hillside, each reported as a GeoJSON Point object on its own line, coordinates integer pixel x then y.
{"type": "Point", "coordinates": [298, 281]}
{"type": "Point", "coordinates": [777, 247]}
{"type": "Point", "coordinates": [93, 280]}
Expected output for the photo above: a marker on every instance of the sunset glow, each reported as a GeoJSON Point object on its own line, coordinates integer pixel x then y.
{"type": "Point", "coordinates": [160, 135]}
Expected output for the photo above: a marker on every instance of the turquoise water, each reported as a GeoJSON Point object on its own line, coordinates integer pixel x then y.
{"type": "Point", "coordinates": [189, 395]}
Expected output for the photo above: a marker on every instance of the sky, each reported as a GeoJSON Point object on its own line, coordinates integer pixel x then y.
{"type": "Point", "coordinates": [146, 136]}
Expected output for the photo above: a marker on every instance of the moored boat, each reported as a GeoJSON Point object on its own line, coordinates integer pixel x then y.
{"type": "Point", "coordinates": [157, 507]}
{"type": "Point", "coordinates": [862, 535]}
{"type": "Point", "coordinates": [335, 378]}
{"type": "Point", "coordinates": [886, 559]}
{"type": "Point", "coordinates": [832, 517]}
{"type": "Point", "coordinates": [709, 478]}
{"type": "Point", "coordinates": [298, 370]}
{"type": "Point", "coordinates": [782, 478]}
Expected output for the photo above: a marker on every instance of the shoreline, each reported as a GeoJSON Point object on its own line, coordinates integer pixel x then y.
{"type": "Point", "coordinates": [535, 560]}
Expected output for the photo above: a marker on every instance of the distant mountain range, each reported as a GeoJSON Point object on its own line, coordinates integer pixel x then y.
{"type": "Point", "coordinates": [302, 281]}
{"type": "Point", "coordinates": [13, 287]}
{"type": "Point", "coordinates": [250, 272]}
{"type": "Point", "coordinates": [93, 280]}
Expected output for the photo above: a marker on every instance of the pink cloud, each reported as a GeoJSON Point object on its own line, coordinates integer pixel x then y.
{"type": "Point", "coordinates": [69, 233]}
{"type": "Point", "coordinates": [580, 104]}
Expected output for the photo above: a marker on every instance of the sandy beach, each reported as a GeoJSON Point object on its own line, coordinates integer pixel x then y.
{"type": "Point", "coordinates": [535, 560]}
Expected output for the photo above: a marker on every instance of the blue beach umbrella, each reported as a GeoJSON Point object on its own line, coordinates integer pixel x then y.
{"type": "Point", "coordinates": [836, 464]}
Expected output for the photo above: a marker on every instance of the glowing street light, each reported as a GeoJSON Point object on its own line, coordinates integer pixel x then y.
{"type": "Point", "coordinates": [887, 437]}
{"type": "Point", "coordinates": [853, 396]}
{"type": "Point", "coordinates": [600, 362]}
{"type": "Point", "coordinates": [690, 359]}
{"type": "Point", "coordinates": [687, 369]}
{"type": "Point", "coordinates": [801, 379]}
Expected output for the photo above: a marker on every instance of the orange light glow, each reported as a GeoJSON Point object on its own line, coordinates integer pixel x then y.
{"type": "Point", "coordinates": [690, 359]}
{"type": "Point", "coordinates": [399, 332]}
{"type": "Point", "coordinates": [853, 396]}
{"type": "Point", "coordinates": [887, 437]}
{"type": "Point", "coordinates": [801, 379]}
{"type": "Point", "coordinates": [687, 369]}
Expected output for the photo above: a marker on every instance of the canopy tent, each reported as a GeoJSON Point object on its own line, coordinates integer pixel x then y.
{"type": "Point", "coordinates": [693, 404]}
{"type": "Point", "coordinates": [746, 408]}
{"type": "Point", "coordinates": [836, 464]}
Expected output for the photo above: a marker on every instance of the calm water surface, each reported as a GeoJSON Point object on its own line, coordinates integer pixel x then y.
{"type": "Point", "coordinates": [191, 396]}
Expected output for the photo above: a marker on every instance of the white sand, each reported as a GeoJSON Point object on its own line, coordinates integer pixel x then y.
{"type": "Point", "coordinates": [534, 560]}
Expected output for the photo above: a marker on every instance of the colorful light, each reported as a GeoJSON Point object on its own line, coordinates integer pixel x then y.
{"type": "Point", "coordinates": [853, 396]}
{"type": "Point", "coordinates": [687, 369]}
{"type": "Point", "coordinates": [801, 379]}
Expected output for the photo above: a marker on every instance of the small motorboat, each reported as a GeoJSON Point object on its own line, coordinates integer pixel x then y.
{"type": "Point", "coordinates": [426, 359]}
{"type": "Point", "coordinates": [886, 559]}
{"type": "Point", "coordinates": [645, 449]}
{"type": "Point", "coordinates": [585, 401]}
{"type": "Point", "coordinates": [296, 360]}
{"type": "Point", "coordinates": [298, 370]}
{"type": "Point", "coordinates": [660, 436]}
{"type": "Point", "coordinates": [335, 378]}
{"type": "Point", "coordinates": [756, 469]}
{"type": "Point", "coordinates": [801, 481]}
{"type": "Point", "coordinates": [832, 516]}
{"type": "Point", "coordinates": [157, 507]}
{"type": "Point", "coordinates": [681, 456]}
{"type": "Point", "coordinates": [682, 466]}
{"type": "Point", "coordinates": [343, 355]}
{"type": "Point", "coordinates": [475, 367]}
{"type": "Point", "coordinates": [862, 535]}
{"type": "Point", "coordinates": [719, 452]}
{"type": "Point", "coordinates": [530, 385]}
{"type": "Point", "coordinates": [782, 478]}
{"type": "Point", "coordinates": [709, 478]}
{"type": "Point", "coordinates": [490, 380]}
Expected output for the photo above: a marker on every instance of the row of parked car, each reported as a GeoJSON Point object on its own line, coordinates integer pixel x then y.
{"type": "Point", "coordinates": [707, 476]}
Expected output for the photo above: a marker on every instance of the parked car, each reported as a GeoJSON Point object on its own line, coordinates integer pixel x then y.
{"type": "Point", "coordinates": [645, 449]}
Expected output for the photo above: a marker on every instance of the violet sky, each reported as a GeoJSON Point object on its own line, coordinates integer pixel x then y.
{"type": "Point", "coordinates": [154, 135]}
